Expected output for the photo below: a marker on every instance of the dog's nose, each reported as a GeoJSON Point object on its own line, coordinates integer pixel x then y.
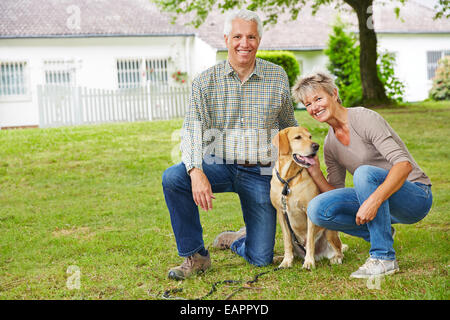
{"type": "Point", "coordinates": [315, 146]}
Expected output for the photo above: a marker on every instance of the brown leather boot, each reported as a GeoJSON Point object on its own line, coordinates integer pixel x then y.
{"type": "Point", "coordinates": [225, 239]}
{"type": "Point", "coordinates": [192, 265]}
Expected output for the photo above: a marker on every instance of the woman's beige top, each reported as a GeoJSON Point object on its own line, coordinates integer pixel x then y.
{"type": "Point", "coordinates": [372, 142]}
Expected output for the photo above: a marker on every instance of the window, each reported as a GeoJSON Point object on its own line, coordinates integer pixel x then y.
{"type": "Point", "coordinates": [133, 73]}
{"type": "Point", "coordinates": [433, 58]}
{"type": "Point", "coordinates": [13, 79]}
{"type": "Point", "coordinates": [59, 72]}
{"type": "Point", "coordinates": [128, 73]}
{"type": "Point", "coordinates": [156, 71]}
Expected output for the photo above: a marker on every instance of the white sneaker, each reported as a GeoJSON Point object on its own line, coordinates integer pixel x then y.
{"type": "Point", "coordinates": [376, 267]}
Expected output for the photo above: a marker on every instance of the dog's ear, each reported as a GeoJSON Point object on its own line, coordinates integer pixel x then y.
{"type": "Point", "coordinates": [281, 142]}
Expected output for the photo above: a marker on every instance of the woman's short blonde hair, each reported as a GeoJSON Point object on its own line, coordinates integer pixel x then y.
{"type": "Point", "coordinates": [313, 82]}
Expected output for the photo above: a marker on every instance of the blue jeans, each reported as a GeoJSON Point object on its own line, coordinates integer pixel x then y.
{"type": "Point", "coordinates": [336, 209]}
{"type": "Point", "coordinates": [254, 193]}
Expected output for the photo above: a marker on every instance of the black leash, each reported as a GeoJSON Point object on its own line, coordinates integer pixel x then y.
{"type": "Point", "coordinates": [168, 294]}
{"type": "Point", "coordinates": [246, 285]}
{"type": "Point", "coordinates": [286, 190]}
{"type": "Point", "coordinates": [298, 247]}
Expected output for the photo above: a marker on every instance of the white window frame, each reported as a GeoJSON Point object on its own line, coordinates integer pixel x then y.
{"type": "Point", "coordinates": [61, 72]}
{"type": "Point", "coordinates": [24, 82]}
{"type": "Point", "coordinates": [135, 72]}
{"type": "Point", "coordinates": [157, 71]}
{"type": "Point", "coordinates": [129, 73]}
{"type": "Point", "coordinates": [432, 65]}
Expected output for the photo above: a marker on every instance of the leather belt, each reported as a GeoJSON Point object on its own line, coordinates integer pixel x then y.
{"type": "Point", "coordinates": [248, 164]}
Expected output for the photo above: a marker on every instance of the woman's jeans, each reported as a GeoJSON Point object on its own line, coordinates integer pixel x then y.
{"type": "Point", "coordinates": [253, 189]}
{"type": "Point", "coordinates": [336, 209]}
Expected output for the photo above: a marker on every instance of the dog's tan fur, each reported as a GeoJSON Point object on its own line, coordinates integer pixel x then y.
{"type": "Point", "coordinates": [318, 242]}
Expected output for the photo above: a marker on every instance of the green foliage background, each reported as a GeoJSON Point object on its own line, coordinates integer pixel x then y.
{"type": "Point", "coordinates": [285, 59]}
{"type": "Point", "coordinates": [441, 81]}
{"type": "Point", "coordinates": [343, 52]}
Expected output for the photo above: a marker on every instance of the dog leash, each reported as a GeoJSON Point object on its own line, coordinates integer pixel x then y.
{"type": "Point", "coordinates": [169, 294]}
{"type": "Point", "coordinates": [286, 189]}
{"type": "Point", "coordinates": [298, 247]}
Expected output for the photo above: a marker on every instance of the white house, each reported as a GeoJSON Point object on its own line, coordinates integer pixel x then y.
{"type": "Point", "coordinates": [123, 44]}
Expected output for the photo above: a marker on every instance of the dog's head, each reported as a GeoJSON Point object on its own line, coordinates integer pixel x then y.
{"type": "Point", "coordinates": [296, 142]}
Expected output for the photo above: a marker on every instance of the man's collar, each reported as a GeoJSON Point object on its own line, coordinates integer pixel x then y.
{"type": "Point", "coordinates": [228, 68]}
{"type": "Point", "coordinates": [258, 70]}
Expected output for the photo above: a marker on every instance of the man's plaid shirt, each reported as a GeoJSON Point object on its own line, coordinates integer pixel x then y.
{"type": "Point", "coordinates": [234, 120]}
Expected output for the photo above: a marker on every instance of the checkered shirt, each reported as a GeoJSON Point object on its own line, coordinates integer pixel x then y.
{"type": "Point", "coordinates": [236, 121]}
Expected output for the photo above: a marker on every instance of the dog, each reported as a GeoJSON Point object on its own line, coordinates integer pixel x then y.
{"type": "Point", "coordinates": [291, 190]}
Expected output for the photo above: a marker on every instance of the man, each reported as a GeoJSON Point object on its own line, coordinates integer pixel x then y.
{"type": "Point", "coordinates": [225, 147]}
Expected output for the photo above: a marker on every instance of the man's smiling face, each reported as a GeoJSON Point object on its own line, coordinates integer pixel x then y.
{"type": "Point", "coordinates": [242, 43]}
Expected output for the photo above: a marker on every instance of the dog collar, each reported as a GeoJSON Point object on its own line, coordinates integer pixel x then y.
{"type": "Point", "coordinates": [286, 189]}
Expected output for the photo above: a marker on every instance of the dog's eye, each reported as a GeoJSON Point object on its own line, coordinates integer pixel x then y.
{"type": "Point", "coordinates": [310, 137]}
{"type": "Point", "coordinates": [298, 137]}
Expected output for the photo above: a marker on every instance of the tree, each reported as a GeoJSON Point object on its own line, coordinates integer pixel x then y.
{"type": "Point", "coordinates": [343, 52]}
{"type": "Point", "coordinates": [441, 81]}
{"type": "Point", "coordinates": [373, 89]}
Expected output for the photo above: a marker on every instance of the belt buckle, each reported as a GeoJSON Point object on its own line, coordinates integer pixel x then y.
{"type": "Point", "coordinates": [249, 165]}
{"type": "Point", "coordinates": [268, 164]}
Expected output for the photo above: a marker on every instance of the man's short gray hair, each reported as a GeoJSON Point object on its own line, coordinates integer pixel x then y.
{"type": "Point", "coordinates": [313, 82]}
{"type": "Point", "coordinates": [243, 14]}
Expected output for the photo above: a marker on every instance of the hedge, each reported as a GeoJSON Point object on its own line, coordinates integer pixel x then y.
{"type": "Point", "coordinates": [285, 59]}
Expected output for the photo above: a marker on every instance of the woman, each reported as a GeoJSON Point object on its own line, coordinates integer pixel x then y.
{"type": "Point", "coordinates": [389, 186]}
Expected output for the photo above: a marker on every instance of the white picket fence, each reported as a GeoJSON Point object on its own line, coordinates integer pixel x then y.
{"type": "Point", "coordinates": [63, 105]}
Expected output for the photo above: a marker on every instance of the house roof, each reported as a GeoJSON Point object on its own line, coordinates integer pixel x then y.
{"type": "Point", "coordinates": [60, 18]}
{"type": "Point", "coordinates": [99, 18]}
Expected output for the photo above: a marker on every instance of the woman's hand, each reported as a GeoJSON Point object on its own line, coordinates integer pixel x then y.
{"type": "Point", "coordinates": [314, 169]}
{"type": "Point", "coordinates": [394, 180]}
{"type": "Point", "coordinates": [367, 211]}
{"type": "Point", "coordinates": [317, 175]}
{"type": "Point", "coordinates": [201, 189]}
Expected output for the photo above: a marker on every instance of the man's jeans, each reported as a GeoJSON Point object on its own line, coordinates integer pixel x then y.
{"type": "Point", "coordinates": [336, 209]}
{"type": "Point", "coordinates": [254, 193]}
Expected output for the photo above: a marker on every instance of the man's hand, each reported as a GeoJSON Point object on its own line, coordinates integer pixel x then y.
{"type": "Point", "coordinates": [201, 189]}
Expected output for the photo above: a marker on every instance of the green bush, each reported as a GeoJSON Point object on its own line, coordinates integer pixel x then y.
{"type": "Point", "coordinates": [285, 59]}
{"type": "Point", "coordinates": [395, 89]}
{"type": "Point", "coordinates": [441, 80]}
{"type": "Point", "coordinates": [343, 53]}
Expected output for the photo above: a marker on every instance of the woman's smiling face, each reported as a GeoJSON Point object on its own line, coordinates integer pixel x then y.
{"type": "Point", "coordinates": [320, 105]}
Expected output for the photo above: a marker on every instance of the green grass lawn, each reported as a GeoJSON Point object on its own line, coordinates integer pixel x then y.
{"type": "Point", "coordinates": [91, 196]}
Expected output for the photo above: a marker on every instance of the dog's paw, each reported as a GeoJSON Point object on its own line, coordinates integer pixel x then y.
{"type": "Point", "coordinates": [309, 264]}
{"type": "Point", "coordinates": [277, 259]}
{"type": "Point", "coordinates": [337, 259]}
{"type": "Point", "coordinates": [287, 263]}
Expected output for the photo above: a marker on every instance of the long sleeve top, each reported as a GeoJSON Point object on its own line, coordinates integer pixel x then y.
{"type": "Point", "coordinates": [236, 120]}
{"type": "Point", "coordinates": [372, 142]}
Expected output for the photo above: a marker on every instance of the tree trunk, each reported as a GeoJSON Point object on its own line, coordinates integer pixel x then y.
{"type": "Point", "coordinates": [373, 89]}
